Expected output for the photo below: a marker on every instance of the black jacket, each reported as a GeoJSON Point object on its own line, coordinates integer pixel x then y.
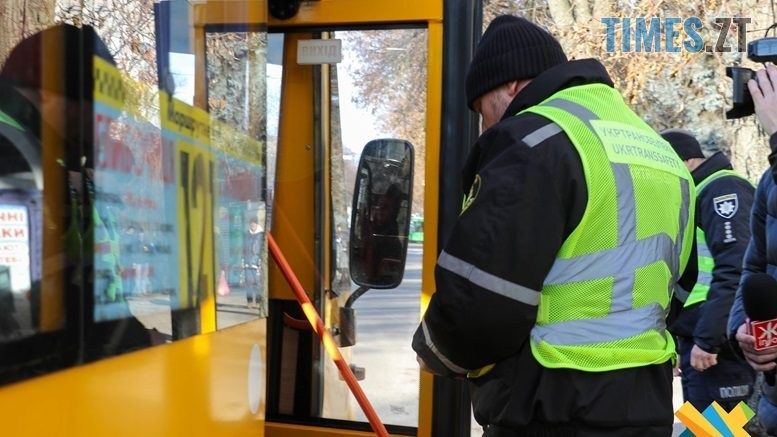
{"type": "Point", "coordinates": [761, 255]}
{"type": "Point", "coordinates": [527, 201]}
{"type": "Point", "coordinates": [727, 235]}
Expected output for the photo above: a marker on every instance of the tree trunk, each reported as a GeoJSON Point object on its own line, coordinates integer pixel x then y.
{"type": "Point", "coordinates": [21, 18]}
{"type": "Point", "coordinates": [582, 12]}
{"type": "Point", "coordinates": [561, 11]}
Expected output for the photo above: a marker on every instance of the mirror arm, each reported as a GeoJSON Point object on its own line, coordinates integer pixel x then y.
{"type": "Point", "coordinates": [355, 295]}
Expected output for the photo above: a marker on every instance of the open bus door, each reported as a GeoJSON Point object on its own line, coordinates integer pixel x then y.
{"type": "Point", "coordinates": [316, 135]}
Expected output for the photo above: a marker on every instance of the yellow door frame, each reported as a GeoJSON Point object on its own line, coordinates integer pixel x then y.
{"type": "Point", "coordinates": [293, 230]}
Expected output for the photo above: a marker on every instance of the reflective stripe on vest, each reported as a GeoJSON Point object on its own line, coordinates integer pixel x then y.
{"type": "Point", "coordinates": [706, 262]}
{"type": "Point", "coordinates": [631, 331]}
{"type": "Point", "coordinates": [706, 265]}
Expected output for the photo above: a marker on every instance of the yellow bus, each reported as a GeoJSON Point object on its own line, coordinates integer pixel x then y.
{"type": "Point", "coordinates": [151, 147]}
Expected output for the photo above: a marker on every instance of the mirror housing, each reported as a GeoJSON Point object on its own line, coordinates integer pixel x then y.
{"type": "Point", "coordinates": [380, 216]}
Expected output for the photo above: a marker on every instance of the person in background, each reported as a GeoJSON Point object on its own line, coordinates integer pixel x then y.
{"type": "Point", "coordinates": [711, 371]}
{"type": "Point", "coordinates": [252, 261]}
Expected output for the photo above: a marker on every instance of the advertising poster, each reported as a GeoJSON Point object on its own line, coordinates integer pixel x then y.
{"type": "Point", "coordinates": [135, 216]}
{"type": "Point", "coordinates": [15, 245]}
{"type": "Point", "coordinates": [189, 129]}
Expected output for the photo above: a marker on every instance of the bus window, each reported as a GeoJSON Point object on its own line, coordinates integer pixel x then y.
{"type": "Point", "coordinates": [136, 196]}
{"type": "Point", "coordinates": [178, 156]}
{"type": "Point", "coordinates": [236, 78]}
{"type": "Point", "coordinates": [141, 169]}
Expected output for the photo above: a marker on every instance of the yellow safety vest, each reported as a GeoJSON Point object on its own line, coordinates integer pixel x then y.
{"type": "Point", "coordinates": [604, 303]}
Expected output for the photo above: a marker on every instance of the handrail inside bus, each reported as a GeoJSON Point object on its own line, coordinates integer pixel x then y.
{"type": "Point", "coordinates": [326, 338]}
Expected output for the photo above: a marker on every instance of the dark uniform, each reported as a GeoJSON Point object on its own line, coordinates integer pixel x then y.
{"type": "Point", "coordinates": [523, 202]}
{"type": "Point", "coordinates": [727, 233]}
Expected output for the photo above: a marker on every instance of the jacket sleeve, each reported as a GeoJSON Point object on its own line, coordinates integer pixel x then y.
{"type": "Point", "coordinates": [755, 256]}
{"type": "Point", "coordinates": [490, 274]}
{"type": "Point", "coordinates": [727, 239]}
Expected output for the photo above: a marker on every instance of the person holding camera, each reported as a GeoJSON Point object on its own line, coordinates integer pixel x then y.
{"type": "Point", "coordinates": [761, 255]}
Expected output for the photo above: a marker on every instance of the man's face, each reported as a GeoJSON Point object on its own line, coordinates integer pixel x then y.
{"type": "Point", "coordinates": [488, 108]}
{"type": "Point", "coordinates": [253, 226]}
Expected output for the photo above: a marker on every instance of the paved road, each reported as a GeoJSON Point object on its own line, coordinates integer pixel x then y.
{"type": "Point", "coordinates": [386, 321]}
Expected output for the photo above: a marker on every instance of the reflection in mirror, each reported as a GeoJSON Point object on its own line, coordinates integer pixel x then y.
{"type": "Point", "coordinates": [380, 219]}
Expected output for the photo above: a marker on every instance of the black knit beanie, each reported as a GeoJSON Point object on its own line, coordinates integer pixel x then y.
{"type": "Point", "coordinates": [684, 143]}
{"type": "Point", "coordinates": [512, 48]}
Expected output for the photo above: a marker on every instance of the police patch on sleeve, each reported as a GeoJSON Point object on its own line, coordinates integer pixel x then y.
{"type": "Point", "coordinates": [726, 206]}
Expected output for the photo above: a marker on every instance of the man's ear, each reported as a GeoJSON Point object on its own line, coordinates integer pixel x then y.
{"type": "Point", "coordinates": [515, 87]}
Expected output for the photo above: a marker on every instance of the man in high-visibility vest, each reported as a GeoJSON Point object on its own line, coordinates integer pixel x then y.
{"type": "Point", "coordinates": [711, 371]}
{"type": "Point", "coordinates": [554, 285]}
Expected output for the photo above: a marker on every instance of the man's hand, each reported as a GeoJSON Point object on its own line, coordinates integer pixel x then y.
{"type": "Point", "coordinates": [764, 94]}
{"type": "Point", "coordinates": [702, 360]}
{"type": "Point", "coordinates": [761, 361]}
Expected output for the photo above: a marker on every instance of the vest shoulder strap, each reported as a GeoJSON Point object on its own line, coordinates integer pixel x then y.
{"type": "Point", "coordinates": [718, 175]}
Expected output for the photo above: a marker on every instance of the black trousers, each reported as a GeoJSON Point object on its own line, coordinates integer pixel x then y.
{"type": "Point", "coordinates": [729, 382]}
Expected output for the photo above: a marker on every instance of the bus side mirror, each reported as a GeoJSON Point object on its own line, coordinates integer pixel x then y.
{"type": "Point", "coordinates": [380, 224]}
{"type": "Point", "coordinates": [380, 216]}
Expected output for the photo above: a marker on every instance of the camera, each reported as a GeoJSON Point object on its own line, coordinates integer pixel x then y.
{"type": "Point", "coordinates": [760, 50]}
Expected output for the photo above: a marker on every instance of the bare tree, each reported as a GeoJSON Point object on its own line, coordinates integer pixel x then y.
{"type": "Point", "coordinates": [668, 89]}
{"type": "Point", "coordinates": [390, 77]}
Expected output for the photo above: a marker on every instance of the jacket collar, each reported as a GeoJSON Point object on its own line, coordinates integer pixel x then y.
{"type": "Point", "coordinates": [711, 165]}
{"type": "Point", "coordinates": [562, 76]}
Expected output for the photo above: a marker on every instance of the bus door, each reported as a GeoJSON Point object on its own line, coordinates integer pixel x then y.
{"type": "Point", "coordinates": [353, 137]}
{"type": "Point", "coordinates": [338, 203]}
{"type": "Point", "coordinates": [350, 242]}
